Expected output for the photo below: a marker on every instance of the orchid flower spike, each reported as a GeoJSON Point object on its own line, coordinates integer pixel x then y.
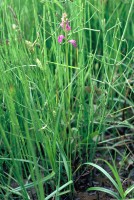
{"type": "Point", "coordinates": [65, 23]}
{"type": "Point", "coordinates": [66, 27]}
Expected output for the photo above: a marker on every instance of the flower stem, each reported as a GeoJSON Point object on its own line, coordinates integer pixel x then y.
{"type": "Point", "coordinates": [68, 86]}
{"type": "Point", "coordinates": [67, 58]}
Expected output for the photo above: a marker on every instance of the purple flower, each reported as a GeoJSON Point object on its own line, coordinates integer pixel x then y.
{"type": "Point", "coordinates": [73, 42]}
{"type": "Point", "coordinates": [65, 25]}
{"type": "Point", "coordinates": [68, 28]}
{"type": "Point", "coordinates": [60, 38]}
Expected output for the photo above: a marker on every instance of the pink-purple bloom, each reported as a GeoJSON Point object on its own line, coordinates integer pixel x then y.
{"type": "Point", "coordinates": [73, 42]}
{"type": "Point", "coordinates": [65, 23]}
{"type": "Point", "coordinates": [66, 27]}
{"type": "Point", "coordinates": [60, 38]}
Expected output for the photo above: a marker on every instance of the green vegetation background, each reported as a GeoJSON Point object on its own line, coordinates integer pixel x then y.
{"type": "Point", "coordinates": [56, 105]}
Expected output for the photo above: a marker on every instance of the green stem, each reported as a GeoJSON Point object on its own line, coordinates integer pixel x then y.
{"type": "Point", "coordinates": [67, 58]}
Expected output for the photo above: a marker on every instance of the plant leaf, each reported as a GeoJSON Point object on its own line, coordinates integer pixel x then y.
{"type": "Point", "coordinates": [129, 190]}
{"type": "Point", "coordinates": [29, 185]}
{"type": "Point", "coordinates": [105, 173]}
{"type": "Point", "coordinates": [117, 177]}
{"type": "Point", "coordinates": [101, 189]}
{"type": "Point", "coordinates": [58, 190]}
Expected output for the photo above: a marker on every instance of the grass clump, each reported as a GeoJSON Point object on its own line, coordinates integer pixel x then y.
{"type": "Point", "coordinates": [59, 100]}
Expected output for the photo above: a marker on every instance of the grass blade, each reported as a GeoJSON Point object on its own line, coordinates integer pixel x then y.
{"type": "Point", "coordinates": [104, 190]}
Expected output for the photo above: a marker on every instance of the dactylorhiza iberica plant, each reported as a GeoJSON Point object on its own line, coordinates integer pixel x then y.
{"type": "Point", "coordinates": [66, 28]}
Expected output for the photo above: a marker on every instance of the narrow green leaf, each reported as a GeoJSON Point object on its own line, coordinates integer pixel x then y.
{"type": "Point", "coordinates": [63, 155]}
{"type": "Point", "coordinates": [29, 185]}
{"type": "Point", "coordinates": [104, 190]}
{"type": "Point", "coordinates": [117, 177]}
{"type": "Point", "coordinates": [44, 1]}
{"type": "Point", "coordinates": [63, 65]}
{"type": "Point", "coordinates": [10, 190]}
{"type": "Point", "coordinates": [105, 173]}
{"type": "Point", "coordinates": [58, 190]}
{"type": "Point", "coordinates": [129, 190]}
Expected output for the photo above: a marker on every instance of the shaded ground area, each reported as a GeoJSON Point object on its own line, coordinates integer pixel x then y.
{"type": "Point", "coordinates": [121, 152]}
{"type": "Point", "coordinates": [125, 165]}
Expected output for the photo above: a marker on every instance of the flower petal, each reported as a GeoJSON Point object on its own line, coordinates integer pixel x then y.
{"type": "Point", "coordinates": [65, 25]}
{"type": "Point", "coordinates": [73, 42]}
{"type": "Point", "coordinates": [60, 38]}
{"type": "Point", "coordinates": [68, 28]}
{"type": "Point", "coordinates": [62, 24]}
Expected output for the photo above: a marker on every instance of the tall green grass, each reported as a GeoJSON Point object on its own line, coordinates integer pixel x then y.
{"type": "Point", "coordinates": [53, 112]}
